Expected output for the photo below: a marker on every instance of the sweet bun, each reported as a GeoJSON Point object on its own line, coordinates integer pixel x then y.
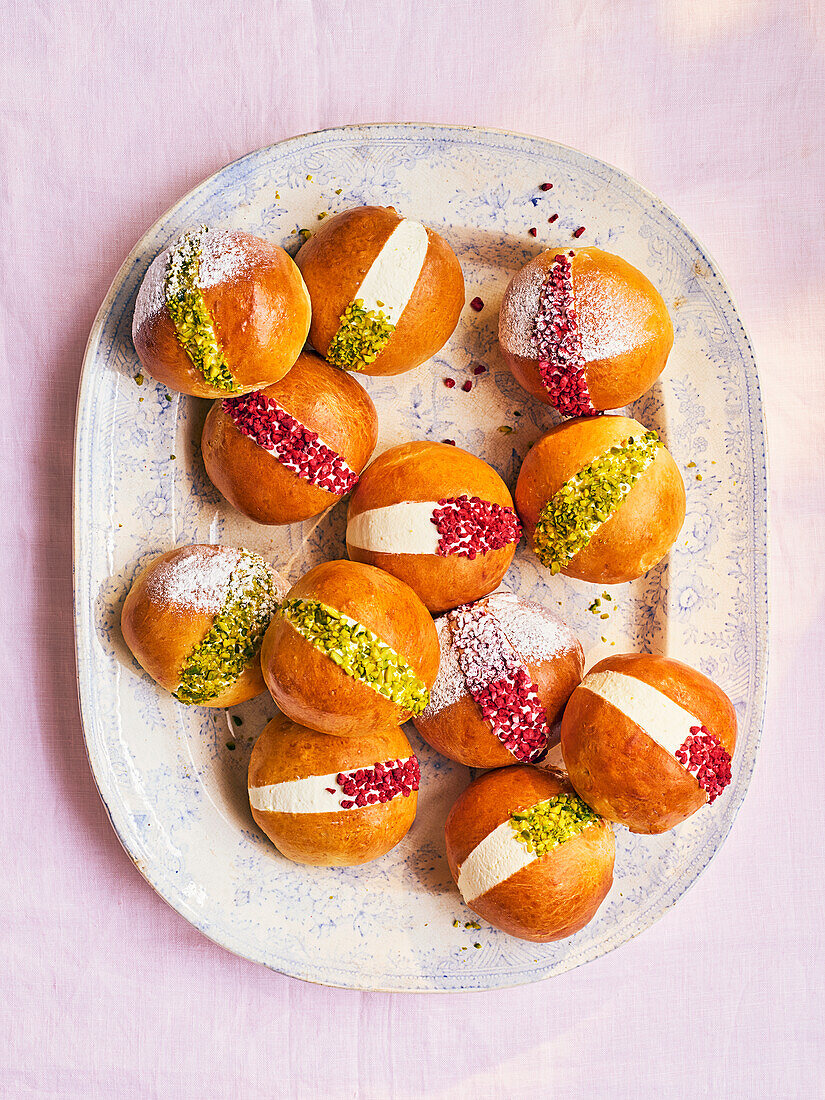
{"type": "Point", "coordinates": [528, 855]}
{"type": "Point", "coordinates": [352, 651]}
{"type": "Point", "coordinates": [195, 618]}
{"type": "Point", "coordinates": [583, 330]}
{"type": "Point", "coordinates": [220, 312]}
{"type": "Point", "coordinates": [332, 801]}
{"type": "Point", "coordinates": [436, 517]}
{"type": "Point", "coordinates": [507, 669]}
{"type": "Point", "coordinates": [600, 499]}
{"type": "Point", "coordinates": [386, 291]}
{"type": "Point", "coordinates": [292, 450]}
{"type": "Point", "coordinates": [647, 740]}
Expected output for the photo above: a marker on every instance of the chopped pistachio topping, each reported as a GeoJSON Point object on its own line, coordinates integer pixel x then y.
{"type": "Point", "coordinates": [361, 338]}
{"type": "Point", "coordinates": [570, 519]}
{"type": "Point", "coordinates": [544, 826]}
{"type": "Point", "coordinates": [358, 652]}
{"type": "Point", "coordinates": [189, 312]}
{"type": "Point", "coordinates": [236, 634]}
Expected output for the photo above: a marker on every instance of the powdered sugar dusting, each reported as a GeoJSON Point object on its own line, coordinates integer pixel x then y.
{"type": "Point", "coordinates": [534, 631]}
{"type": "Point", "coordinates": [519, 309]}
{"type": "Point", "coordinates": [611, 324]}
{"type": "Point", "coordinates": [151, 296]}
{"type": "Point", "coordinates": [450, 684]}
{"type": "Point", "coordinates": [197, 579]}
{"type": "Point", "coordinates": [224, 256]}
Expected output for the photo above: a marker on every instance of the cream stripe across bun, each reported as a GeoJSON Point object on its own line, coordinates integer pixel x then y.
{"type": "Point", "coordinates": [667, 723]}
{"type": "Point", "coordinates": [404, 528]}
{"type": "Point", "coordinates": [492, 861]}
{"type": "Point", "coordinates": [316, 794]}
{"type": "Point", "coordinates": [391, 279]}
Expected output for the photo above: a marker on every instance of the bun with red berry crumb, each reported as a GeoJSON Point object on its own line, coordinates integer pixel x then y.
{"type": "Point", "coordinates": [294, 449]}
{"type": "Point", "coordinates": [583, 330]}
{"type": "Point", "coordinates": [332, 801]}
{"type": "Point", "coordinates": [648, 741]}
{"type": "Point", "coordinates": [507, 669]}
{"type": "Point", "coordinates": [436, 517]}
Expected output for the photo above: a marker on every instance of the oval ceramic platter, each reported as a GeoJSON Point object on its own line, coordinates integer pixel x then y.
{"type": "Point", "coordinates": [173, 778]}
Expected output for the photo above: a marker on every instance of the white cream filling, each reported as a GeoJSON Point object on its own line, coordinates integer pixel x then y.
{"type": "Point", "coordinates": [404, 528]}
{"type": "Point", "coordinates": [299, 796]}
{"type": "Point", "coordinates": [664, 721]}
{"type": "Point", "coordinates": [492, 861]}
{"type": "Point", "coordinates": [304, 796]}
{"type": "Point", "coordinates": [391, 279]}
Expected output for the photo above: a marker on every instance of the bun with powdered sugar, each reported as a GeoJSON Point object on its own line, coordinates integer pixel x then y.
{"type": "Point", "coordinates": [508, 667]}
{"type": "Point", "coordinates": [220, 312]}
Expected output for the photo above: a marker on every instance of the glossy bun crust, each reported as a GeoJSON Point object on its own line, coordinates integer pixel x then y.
{"type": "Point", "coordinates": [260, 314]}
{"type": "Point", "coordinates": [460, 731]}
{"type": "Point", "coordinates": [433, 471]}
{"type": "Point", "coordinates": [334, 262]}
{"type": "Point", "coordinates": [325, 400]}
{"type": "Point", "coordinates": [551, 898]}
{"type": "Point", "coordinates": [640, 531]}
{"type": "Point", "coordinates": [622, 772]}
{"type": "Point", "coordinates": [161, 634]}
{"type": "Point", "coordinates": [310, 688]}
{"type": "Point", "coordinates": [286, 751]}
{"type": "Point", "coordinates": [626, 329]}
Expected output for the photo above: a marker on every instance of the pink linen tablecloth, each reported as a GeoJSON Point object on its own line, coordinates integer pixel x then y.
{"type": "Point", "coordinates": [108, 113]}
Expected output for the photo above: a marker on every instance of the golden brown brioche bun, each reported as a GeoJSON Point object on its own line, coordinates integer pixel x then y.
{"type": "Point", "coordinates": [334, 262]}
{"type": "Point", "coordinates": [625, 328]}
{"type": "Point", "coordinates": [171, 607]}
{"type": "Point", "coordinates": [642, 528]}
{"type": "Point", "coordinates": [622, 769]}
{"type": "Point", "coordinates": [454, 724]}
{"type": "Point", "coordinates": [259, 308]}
{"type": "Point", "coordinates": [310, 688]}
{"type": "Point", "coordinates": [324, 400]}
{"type": "Point", "coordinates": [424, 471]}
{"type": "Point", "coordinates": [340, 837]}
{"type": "Point", "coordinates": [555, 895]}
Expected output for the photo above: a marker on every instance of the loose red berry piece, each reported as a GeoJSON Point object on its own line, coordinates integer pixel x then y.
{"type": "Point", "coordinates": [557, 340]}
{"type": "Point", "coordinates": [467, 386]}
{"type": "Point", "coordinates": [707, 759]}
{"type": "Point", "coordinates": [499, 681]}
{"type": "Point", "coordinates": [449, 383]}
{"type": "Point", "coordinates": [553, 218]}
{"type": "Point", "coordinates": [289, 441]}
{"type": "Point", "coordinates": [532, 231]}
{"type": "Point", "coordinates": [451, 442]}
{"type": "Point", "coordinates": [578, 232]}
{"type": "Point", "coordinates": [546, 187]}
{"type": "Point", "coordinates": [469, 526]}
{"type": "Point", "coordinates": [477, 305]}
{"type": "Point", "coordinates": [479, 369]}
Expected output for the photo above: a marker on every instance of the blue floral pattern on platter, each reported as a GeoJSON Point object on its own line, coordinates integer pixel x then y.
{"type": "Point", "coordinates": [175, 789]}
